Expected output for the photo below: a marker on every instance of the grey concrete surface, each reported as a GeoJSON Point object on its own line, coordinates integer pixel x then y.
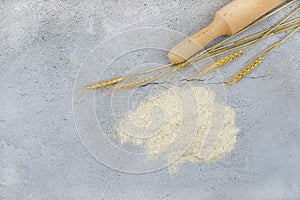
{"type": "Point", "coordinates": [42, 45]}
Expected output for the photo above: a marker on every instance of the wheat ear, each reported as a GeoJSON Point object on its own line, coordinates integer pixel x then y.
{"type": "Point", "coordinates": [143, 81]}
{"type": "Point", "coordinates": [222, 61]}
{"type": "Point", "coordinates": [180, 66]}
{"type": "Point", "coordinates": [195, 58]}
{"type": "Point", "coordinates": [245, 71]}
{"type": "Point", "coordinates": [133, 84]}
{"type": "Point", "coordinates": [122, 78]}
{"type": "Point", "coordinates": [104, 83]}
{"type": "Point", "coordinates": [138, 82]}
{"type": "Point", "coordinates": [262, 55]}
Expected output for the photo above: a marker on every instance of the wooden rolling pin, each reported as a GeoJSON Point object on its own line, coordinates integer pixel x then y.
{"type": "Point", "coordinates": [229, 20]}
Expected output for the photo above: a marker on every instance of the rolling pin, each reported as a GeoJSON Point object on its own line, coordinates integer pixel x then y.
{"type": "Point", "coordinates": [232, 18]}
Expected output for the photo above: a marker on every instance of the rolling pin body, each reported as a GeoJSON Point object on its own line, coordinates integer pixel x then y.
{"type": "Point", "coordinates": [229, 20]}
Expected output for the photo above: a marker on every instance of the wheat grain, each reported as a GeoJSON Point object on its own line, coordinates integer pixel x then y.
{"type": "Point", "coordinates": [213, 51]}
{"type": "Point", "coordinates": [180, 66]}
{"type": "Point", "coordinates": [259, 58]}
{"type": "Point", "coordinates": [138, 82]}
{"type": "Point", "coordinates": [146, 80]}
{"type": "Point", "coordinates": [133, 84]}
{"type": "Point", "coordinates": [245, 71]}
{"type": "Point", "coordinates": [104, 83]}
{"type": "Point", "coordinates": [227, 59]}
{"type": "Point", "coordinates": [222, 61]}
{"type": "Point", "coordinates": [122, 78]}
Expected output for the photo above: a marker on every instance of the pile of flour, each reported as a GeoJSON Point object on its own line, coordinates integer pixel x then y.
{"type": "Point", "coordinates": [184, 124]}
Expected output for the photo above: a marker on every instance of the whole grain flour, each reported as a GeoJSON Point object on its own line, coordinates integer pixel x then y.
{"type": "Point", "coordinates": [187, 125]}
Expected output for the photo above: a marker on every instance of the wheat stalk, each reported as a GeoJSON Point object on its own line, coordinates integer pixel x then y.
{"type": "Point", "coordinates": [122, 78]}
{"type": "Point", "coordinates": [149, 79]}
{"type": "Point", "coordinates": [245, 29]}
{"type": "Point", "coordinates": [261, 56]}
{"type": "Point", "coordinates": [254, 37]}
{"type": "Point", "coordinates": [256, 22]}
{"type": "Point", "coordinates": [278, 25]}
{"type": "Point", "coordinates": [222, 61]}
{"type": "Point", "coordinates": [247, 40]}
{"type": "Point", "coordinates": [214, 51]}
{"type": "Point", "coordinates": [238, 44]}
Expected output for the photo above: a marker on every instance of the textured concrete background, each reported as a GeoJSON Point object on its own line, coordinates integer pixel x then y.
{"type": "Point", "coordinates": [43, 43]}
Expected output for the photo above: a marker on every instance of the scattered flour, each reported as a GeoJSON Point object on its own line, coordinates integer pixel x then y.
{"type": "Point", "coordinates": [157, 122]}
